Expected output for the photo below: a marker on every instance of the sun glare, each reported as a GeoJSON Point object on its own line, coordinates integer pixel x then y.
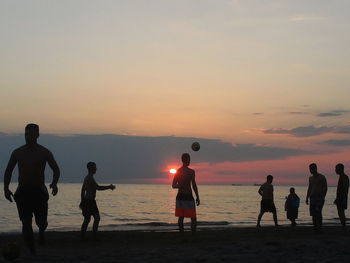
{"type": "Point", "coordinates": [172, 171]}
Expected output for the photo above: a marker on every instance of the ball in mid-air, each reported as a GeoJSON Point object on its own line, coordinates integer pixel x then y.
{"type": "Point", "coordinates": [10, 251]}
{"type": "Point", "coordinates": [195, 146]}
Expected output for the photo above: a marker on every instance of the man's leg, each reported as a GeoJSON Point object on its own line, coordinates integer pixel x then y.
{"type": "Point", "coordinates": [314, 222]}
{"type": "Point", "coordinates": [193, 224]}
{"type": "Point", "coordinates": [181, 223]}
{"type": "Point", "coordinates": [42, 225]}
{"type": "Point", "coordinates": [95, 225]}
{"type": "Point", "coordinates": [293, 222]}
{"type": "Point", "coordinates": [84, 226]}
{"type": "Point", "coordinates": [317, 221]}
{"type": "Point", "coordinates": [25, 212]}
{"type": "Point", "coordinates": [259, 219]}
{"type": "Point", "coordinates": [341, 214]}
{"type": "Point", "coordinates": [40, 209]}
{"type": "Point", "coordinates": [27, 231]}
{"type": "Point", "coordinates": [275, 218]}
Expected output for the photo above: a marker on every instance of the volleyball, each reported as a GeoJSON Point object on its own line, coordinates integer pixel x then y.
{"type": "Point", "coordinates": [195, 146]}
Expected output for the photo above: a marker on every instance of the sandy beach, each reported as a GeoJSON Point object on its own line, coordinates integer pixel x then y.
{"type": "Point", "coordinates": [268, 244]}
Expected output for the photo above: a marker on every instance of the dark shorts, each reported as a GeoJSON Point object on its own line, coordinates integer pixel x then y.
{"type": "Point", "coordinates": [89, 207]}
{"type": "Point", "coordinates": [267, 205]}
{"type": "Point", "coordinates": [316, 205]}
{"type": "Point", "coordinates": [31, 201]}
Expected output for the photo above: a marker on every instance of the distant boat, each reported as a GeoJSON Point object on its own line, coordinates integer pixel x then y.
{"type": "Point", "coordinates": [257, 184]}
{"type": "Point", "coordinates": [236, 184]}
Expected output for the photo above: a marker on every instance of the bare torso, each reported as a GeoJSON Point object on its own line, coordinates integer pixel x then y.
{"type": "Point", "coordinates": [31, 161]}
{"type": "Point", "coordinates": [184, 177]}
{"type": "Point", "coordinates": [343, 187]}
{"type": "Point", "coordinates": [90, 187]}
{"type": "Point", "coordinates": [266, 191]}
{"type": "Point", "coordinates": [318, 184]}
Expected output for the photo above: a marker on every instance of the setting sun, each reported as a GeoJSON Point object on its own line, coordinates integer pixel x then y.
{"type": "Point", "coordinates": [172, 171]}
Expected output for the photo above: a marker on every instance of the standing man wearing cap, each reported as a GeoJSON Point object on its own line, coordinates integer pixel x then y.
{"type": "Point", "coordinates": [31, 196]}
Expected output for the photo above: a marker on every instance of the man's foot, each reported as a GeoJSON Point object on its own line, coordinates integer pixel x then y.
{"type": "Point", "coordinates": [258, 225]}
{"type": "Point", "coordinates": [293, 224]}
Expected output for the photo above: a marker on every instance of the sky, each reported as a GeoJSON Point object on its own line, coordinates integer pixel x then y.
{"type": "Point", "coordinates": [260, 73]}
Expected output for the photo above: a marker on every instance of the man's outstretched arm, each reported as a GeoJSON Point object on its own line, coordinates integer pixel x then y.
{"type": "Point", "coordinates": [7, 177]}
{"type": "Point", "coordinates": [105, 187]}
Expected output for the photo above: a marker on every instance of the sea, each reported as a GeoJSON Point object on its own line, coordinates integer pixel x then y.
{"type": "Point", "coordinates": [148, 207]}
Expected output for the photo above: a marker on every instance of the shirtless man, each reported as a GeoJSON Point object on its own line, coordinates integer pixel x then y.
{"type": "Point", "coordinates": [316, 191]}
{"type": "Point", "coordinates": [185, 204]}
{"type": "Point", "coordinates": [88, 203]}
{"type": "Point", "coordinates": [267, 204]}
{"type": "Point", "coordinates": [31, 196]}
{"type": "Point", "coordinates": [342, 193]}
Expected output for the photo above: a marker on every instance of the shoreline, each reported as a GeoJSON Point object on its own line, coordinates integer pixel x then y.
{"type": "Point", "coordinates": [171, 227]}
{"type": "Point", "coordinates": [164, 227]}
{"type": "Point", "coordinates": [249, 244]}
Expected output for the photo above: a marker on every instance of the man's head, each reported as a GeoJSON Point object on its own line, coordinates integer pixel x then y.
{"type": "Point", "coordinates": [31, 133]}
{"type": "Point", "coordinates": [186, 159]}
{"type": "Point", "coordinates": [313, 168]}
{"type": "Point", "coordinates": [292, 190]}
{"type": "Point", "coordinates": [339, 168]}
{"type": "Point", "coordinates": [91, 166]}
{"type": "Point", "coordinates": [269, 178]}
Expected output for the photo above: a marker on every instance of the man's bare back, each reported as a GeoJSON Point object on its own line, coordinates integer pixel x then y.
{"type": "Point", "coordinates": [184, 177]}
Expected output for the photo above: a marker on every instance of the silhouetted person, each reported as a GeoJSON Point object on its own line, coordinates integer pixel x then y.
{"type": "Point", "coordinates": [88, 203]}
{"type": "Point", "coordinates": [185, 204]}
{"type": "Point", "coordinates": [267, 204]}
{"type": "Point", "coordinates": [31, 195]}
{"type": "Point", "coordinates": [316, 191]}
{"type": "Point", "coordinates": [342, 193]}
{"type": "Point", "coordinates": [292, 206]}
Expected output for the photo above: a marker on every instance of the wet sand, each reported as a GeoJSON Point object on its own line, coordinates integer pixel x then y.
{"type": "Point", "coordinates": [268, 244]}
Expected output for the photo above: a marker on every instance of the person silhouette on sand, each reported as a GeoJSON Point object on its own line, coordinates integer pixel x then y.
{"type": "Point", "coordinates": [316, 192]}
{"type": "Point", "coordinates": [291, 206]}
{"type": "Point", "coordinates": [31, 196]}
{"type": "Point", "coordinates": [267, 204]}
{"type": "Point", "coordinates": [184, 180]}
{"type": "Point", "coordinates": [88, 203]}
{"type": "Point", "coordinates": [341, 200]}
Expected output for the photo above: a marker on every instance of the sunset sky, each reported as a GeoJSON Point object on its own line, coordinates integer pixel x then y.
{"type": "Point", "coordinates": [247, 72]}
